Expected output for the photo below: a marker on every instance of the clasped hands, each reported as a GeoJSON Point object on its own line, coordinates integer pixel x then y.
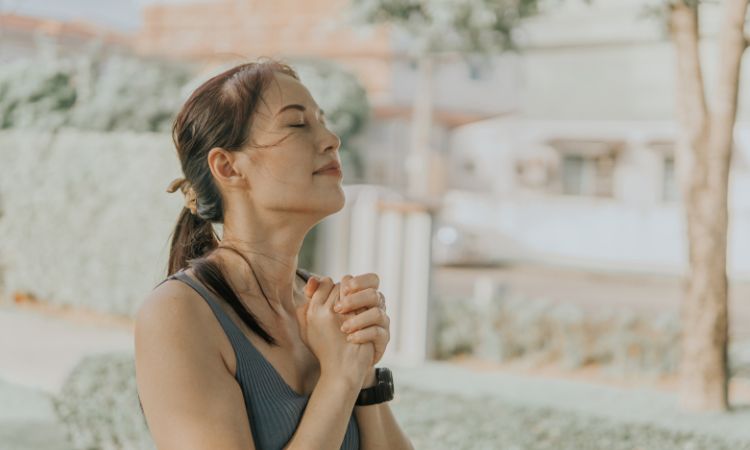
{"type": "Point", "coordinates": [364, 308]}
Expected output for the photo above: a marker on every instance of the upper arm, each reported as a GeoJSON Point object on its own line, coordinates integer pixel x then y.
{"type": "Point", "coordinates": [190, 399]}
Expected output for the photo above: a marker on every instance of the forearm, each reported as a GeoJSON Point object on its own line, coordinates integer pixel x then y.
{"type": "Point", "coordinates": [327, 414]}
{"type": "Point", "coordinates": [378, 428]}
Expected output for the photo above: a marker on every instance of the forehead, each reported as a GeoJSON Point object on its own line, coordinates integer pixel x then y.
{"type": "Point", "coordinates": [283, 90]}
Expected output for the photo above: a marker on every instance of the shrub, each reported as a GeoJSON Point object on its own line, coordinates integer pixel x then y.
{"type": "Point", "coordinates": [508, 327]}
{"type": "Point", "coordinates": [98, 404]}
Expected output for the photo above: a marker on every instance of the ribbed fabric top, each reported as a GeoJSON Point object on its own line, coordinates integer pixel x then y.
{"type": "Point", "coordinates": [273, 407]}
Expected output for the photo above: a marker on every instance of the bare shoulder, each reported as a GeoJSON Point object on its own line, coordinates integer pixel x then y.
{"type": "Point", "coordinates": [190, 399]}
{"type": "Point", "coordinates": [171, 304]}
{"type": "Point", "coordinates": [172, 314]}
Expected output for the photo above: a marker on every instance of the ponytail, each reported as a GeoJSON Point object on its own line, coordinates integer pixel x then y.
{"type": "Point", "coordinates": [192, 238]}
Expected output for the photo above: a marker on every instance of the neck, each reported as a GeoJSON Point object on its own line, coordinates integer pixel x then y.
{"type": "Point", "coordinates": [272, 249]}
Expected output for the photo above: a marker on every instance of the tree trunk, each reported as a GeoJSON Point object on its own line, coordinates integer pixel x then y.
{"type": "Point", "coordinates": [418, 163]}
{"type": "Point", "coordinates": [705, 150]}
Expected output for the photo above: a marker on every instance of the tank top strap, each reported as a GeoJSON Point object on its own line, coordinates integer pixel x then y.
{"type": "Point", "coordinates": [230, 328]}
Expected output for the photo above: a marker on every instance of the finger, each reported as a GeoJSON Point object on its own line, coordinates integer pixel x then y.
{"type": "Point", "coordinates": [344, 283]}
{"type": "Point", "coordinates": [361, 282]}
{"type": "Point", "coordinates": [369, 334]}
{"type": "Point", "coordinates": [323, 291]}
{"type": "Point", "coordinates": [362, 299]}
{"type": "Point", "coordinates": [312, 284]}
{"type": "Point", "coordinates": [333, 296]}
{"type": "Point", "coordinates": [371, 317]}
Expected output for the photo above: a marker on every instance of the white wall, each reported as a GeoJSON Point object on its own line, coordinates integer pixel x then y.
{"type": "Point", "coordinates": [634, 231]}
{"type": "Point", "coordinates": [604, 60]}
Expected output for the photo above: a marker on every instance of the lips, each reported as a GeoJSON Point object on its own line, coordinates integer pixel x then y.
{"type": "Point", "coordinates": [331, 165]}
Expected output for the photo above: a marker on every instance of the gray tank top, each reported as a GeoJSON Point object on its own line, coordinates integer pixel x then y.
{"type": "Point", "coordinates": [273, 407]}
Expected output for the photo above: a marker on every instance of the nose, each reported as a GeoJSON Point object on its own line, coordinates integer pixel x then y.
{"type": "Point", "coordinates": [331, 140]}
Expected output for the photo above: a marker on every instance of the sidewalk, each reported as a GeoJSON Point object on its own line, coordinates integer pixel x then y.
{"type": "Point", "coordinates": [39, 350]}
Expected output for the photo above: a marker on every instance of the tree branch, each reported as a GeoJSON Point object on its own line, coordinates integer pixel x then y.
{"type": "Point", "coordinates": [732, 43]}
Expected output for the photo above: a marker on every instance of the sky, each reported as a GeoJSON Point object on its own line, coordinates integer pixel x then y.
{"type": "Point", "coordinates": [123, 15]}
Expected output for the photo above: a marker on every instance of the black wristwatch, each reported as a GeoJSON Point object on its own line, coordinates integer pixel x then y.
{"type": "Point", "coordinates": [381, 392]}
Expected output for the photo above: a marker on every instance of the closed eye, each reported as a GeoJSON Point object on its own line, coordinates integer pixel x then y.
{"type": "Point", "coordinates": [298, 125]}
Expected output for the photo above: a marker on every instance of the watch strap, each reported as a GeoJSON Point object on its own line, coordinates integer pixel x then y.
{"type": "Point", "coordinates": [382, 391]}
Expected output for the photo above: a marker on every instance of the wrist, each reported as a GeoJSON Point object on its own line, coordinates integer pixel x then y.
{"type": "Point", "coordinates": [341, 379]}
{"type": "Point", "coordinates": [370, 379]}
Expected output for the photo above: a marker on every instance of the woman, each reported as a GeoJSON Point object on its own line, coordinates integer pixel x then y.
{"type": "Point", "coordinates": [238, 348]}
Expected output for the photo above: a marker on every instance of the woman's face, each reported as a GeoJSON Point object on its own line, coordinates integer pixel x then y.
{"type": "Point", "coordinates": [289, 141]}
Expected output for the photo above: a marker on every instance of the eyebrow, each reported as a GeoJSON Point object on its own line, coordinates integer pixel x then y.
{"type": "Point", "coordinates": [297, 107]}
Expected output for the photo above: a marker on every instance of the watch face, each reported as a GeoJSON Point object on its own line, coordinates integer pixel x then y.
{"type": "Point", "coordinates": [386, 380]}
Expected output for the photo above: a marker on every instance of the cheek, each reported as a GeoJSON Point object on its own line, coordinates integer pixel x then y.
{"type": "Point", "coordinates": [291, 173]}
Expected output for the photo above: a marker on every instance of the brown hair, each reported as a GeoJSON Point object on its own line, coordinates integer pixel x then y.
{"type": "Point", "coordinates": [217, 114]}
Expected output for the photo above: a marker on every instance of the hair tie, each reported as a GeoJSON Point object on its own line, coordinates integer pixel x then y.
{"type": "Point", "coordinates": [186, 187]}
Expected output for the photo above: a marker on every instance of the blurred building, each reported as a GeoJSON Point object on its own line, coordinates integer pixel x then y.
{"type": "Point", "coordinates": [22, 36]}
{"type": "Point", "coordinates": [583, 173]}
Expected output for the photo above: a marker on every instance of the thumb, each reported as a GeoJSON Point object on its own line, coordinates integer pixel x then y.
{"type": "Point", "coordinates": [311, 286]}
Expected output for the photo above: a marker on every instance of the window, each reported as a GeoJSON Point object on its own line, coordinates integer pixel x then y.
{"type": "Point", "coordinates": [537, 169]}
{"type": "Point", "coordinates": [669, 188]}
{"type": "Point", "coordinates": [587, 167]}
{"type": "Point", "coordinates": [574, 175]}
{"type": "Point", "coordinates": [669, 180]}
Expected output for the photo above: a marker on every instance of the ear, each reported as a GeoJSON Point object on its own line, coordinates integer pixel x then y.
{"type": "Point", "coordinates": [224, 168]}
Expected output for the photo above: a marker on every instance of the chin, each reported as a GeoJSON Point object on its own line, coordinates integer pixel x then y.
{"type": "Point", "coordinates": [330, 201]}
{"type": "Point", "coordinates": [341, 200]}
